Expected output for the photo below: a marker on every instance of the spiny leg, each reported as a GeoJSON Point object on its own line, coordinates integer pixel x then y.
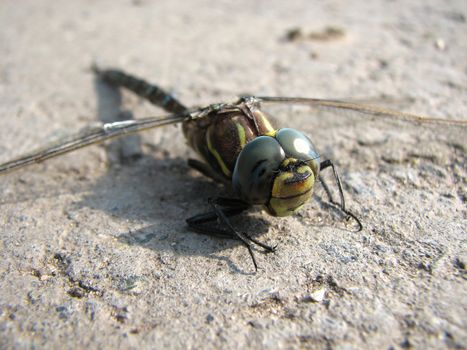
{"type": "Point", "coordinates": [230, 207]}
{"type": "Point", "coordinates": [206, 170]}
{"type": "Point", "coordinates": [331, 200]}
{"type": "Point", "coordinates": [230, 204]}
{"type": "Point", "coordinates": [326, 164]}
{"type": "Point", "coordinates": [220, 214]}
{"type": "Point", "coordinates": [198, 223]}
{"type": "Point", "coordinates": [140, 87]}
{"type": "Point", "coordinates": [326, 189]}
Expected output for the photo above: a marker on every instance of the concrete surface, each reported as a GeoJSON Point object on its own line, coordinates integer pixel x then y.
{"type": "Point", "coordinates": [94, 249]}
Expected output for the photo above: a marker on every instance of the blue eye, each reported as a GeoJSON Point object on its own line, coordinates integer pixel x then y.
{"type": "Point", "coordinates": [296, 145]}
{"type": "Point", "coordinates": [255, 168]}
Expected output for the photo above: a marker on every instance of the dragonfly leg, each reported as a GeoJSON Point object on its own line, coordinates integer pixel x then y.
{"type": "Point", "coordinates": [199, 223]}
{"type": "Point", "coordinates": [329, 164]}
{"type": "Point", "coordinates": [142, 88]}
{"type": "Point", "coordinates": [205, 170]}
{"type": "Point", "coordinates": [232, 204]}
{"type": "Point", "coordinates": [268, 248]}
{"type": "Point", "coordinates": [326, 189]}
{"type": "Point", "coordinates": [223, 208]}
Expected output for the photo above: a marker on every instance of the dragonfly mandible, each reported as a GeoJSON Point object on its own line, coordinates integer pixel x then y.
{"type": "Point", "coordinates": [238, 146]}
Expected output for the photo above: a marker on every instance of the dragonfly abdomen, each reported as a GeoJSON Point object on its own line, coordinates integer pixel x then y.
{"type": "Point", "coordinates": [150, 92]}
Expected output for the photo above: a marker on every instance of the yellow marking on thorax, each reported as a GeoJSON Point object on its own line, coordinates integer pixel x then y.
{"type": "Point", "coordinates": [271, 133]}
{"type": "Point", "coordinates": [266, 123]}
{"type": "Point", "coordinates": [216, 155]}
{"type": "Point", "coordinates": [241, 135]}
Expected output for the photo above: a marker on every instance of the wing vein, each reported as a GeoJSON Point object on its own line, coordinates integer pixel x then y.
{"type": "Point", "coordinates": [372, 111]}
{"type": "Point", "coordinates": [89, 136]}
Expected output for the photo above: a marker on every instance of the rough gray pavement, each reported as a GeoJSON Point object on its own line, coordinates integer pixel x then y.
{"type": "Point", "coordinates": [94, 249]}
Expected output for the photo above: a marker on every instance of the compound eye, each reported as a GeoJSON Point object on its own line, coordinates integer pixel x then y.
{"type": "Point", "coordinates": [296, 145]}
{"type": "Point", "coordinates": [255, 168]}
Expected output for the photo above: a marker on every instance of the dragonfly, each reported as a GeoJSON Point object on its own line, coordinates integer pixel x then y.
{"type": "Point", "coordinates": [238, 147]}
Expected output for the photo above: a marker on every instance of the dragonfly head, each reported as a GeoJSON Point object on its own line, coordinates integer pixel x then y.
{"type": "Point", "coordinates": [278, 171]}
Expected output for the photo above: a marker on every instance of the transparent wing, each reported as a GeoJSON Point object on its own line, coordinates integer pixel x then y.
{"type": "Point", "coordinates": [364, 109]}
{"type": "Point", "coordinates": [89, 136]}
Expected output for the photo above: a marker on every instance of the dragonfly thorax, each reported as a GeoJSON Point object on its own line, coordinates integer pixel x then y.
{"type": "Point", "coordinates": [220, 136]}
